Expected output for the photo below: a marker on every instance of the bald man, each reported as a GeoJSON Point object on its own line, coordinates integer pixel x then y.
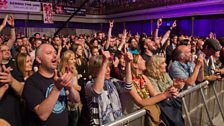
{"type": "Point", "coordinates": [44, 91]}
{"type": "Point", "coordinates": [183, 68]}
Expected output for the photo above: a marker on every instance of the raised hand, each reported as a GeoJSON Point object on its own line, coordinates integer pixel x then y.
{"type": "Point", "coordinates": [10, 21]}
{"type": "Point", "coordinates": [159, 22]}
{"type": "Point", "coordinates": [5, 20]}
{"type": "Point", "coordinates": [106, 54]}
{"type": "Point", "coordinates": [174, 24]}
{"type": "Point", "coordinates": [116, 62]}
{"type": "Point", "coordinates": [128, 57]}
{"type": "Point", "coordinates": [125, 33]}
{"type": "Point", "coordinates": [111, 23]}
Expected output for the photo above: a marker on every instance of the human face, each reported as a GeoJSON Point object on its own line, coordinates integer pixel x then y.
{"type": "Point", "coordinates": [37, 36]}
{"type": "Point", "coordinates": [187, 53]}
{"type": "Point", "coordinates": [6, 54]}
{"type": "Point", "coordinates": [38, 43]}
{"type": "Point", "coordinates": [19, 42]}
{"type": "Point", "coordinates": [79, 51]}
{"type": "Point", "coordinates": [122, 61]}
{"type": "Point", "coordinates": [57, 42]}
{"type": "Point", "coordinates": [23, 50]}
{"type": "Point", "coordinates": [163, 65]}
{"type": "Point", "coordinates": [71, 61]}
{"type": "Point", "coordinates": [174, 40]}
{"type": "Point", "coordinates": [134, 44]}
{"type": "Point", "coordinates": [48, 58]}
{"type": "Point", "coordinates": [107, 76]}
{"type": "Point", "coordinates": [95, 52]}
{"type": "Point", "coordinates": [141, 64]}
{"type": "Point", "coordinates": [150, 44]}
{"type": "Point", "coordinates": [95, 43]}
{"type": "Point", "coordinates": [28, 64]}
{"type": "Point", "coordinates": [100, 35]}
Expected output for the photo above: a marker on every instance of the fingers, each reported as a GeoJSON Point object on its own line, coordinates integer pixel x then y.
{"type": "Point", "coordinates": [106, 54]}
{"type": "Point", "coordinates": [6, 18]}
{"type": "Point", "coordinates": [174, 24]}
{"type": "Point", "coordinates": [125, 49]}
{"type": "Point", "coordinates": [55, 74]}
{"type": "Point", "coordinates": [5, 78]}
{"type": "Point", "coordinates": [7, 70]}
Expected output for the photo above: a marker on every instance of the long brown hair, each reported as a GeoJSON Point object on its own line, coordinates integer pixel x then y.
{"type": "Point", "coordinates": [21, 63]}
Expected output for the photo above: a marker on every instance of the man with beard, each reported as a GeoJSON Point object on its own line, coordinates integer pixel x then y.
{"type": "Point", "coordinates": [149, 49]}
{"type": "Point", "coordinates": [133, 47]}
{"type": "Point", "coordinates": [183, 68]}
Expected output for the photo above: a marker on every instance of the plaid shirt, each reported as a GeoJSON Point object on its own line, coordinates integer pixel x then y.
{"type": "Point", "coordinates": [105, 106]}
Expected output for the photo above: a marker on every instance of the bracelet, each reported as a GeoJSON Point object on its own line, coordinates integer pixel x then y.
{"type": "Point", "coordinates": [171, 28]}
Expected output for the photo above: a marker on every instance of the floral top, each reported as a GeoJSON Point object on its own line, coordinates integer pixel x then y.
{"type": "Point", "coordinates": [140, 84]}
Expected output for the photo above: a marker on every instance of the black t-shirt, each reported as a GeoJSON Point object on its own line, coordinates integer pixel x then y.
{"type": "Point", "coordinates": [17, 75]}
{"type": "Point", "coordinates": [10, 108]}
{"type": "Point", "coordinates": [36, 90]}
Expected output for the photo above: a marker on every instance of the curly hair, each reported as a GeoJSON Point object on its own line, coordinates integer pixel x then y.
{"type": "Point", "coordinates": [153, 66]}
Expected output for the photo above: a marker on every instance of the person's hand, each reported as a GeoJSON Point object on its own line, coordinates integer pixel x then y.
{"type": "Point", "coordinates": [199, 60]}
{"type": "Point", "coordinates": [213, 77]}
{"type": "Point", "coordinates": [5, 20]}
{"type": "Point", "coordinates": [63, 81]}
{"type": "Point", "coordinates": [5, 75]}
{"type": "Point", "coordinates": [11, 21]}
{"type": "Point", "coordinates": [111, 23]}
{"type": "Point", "coordinates": [77, 87]}
{"type": "Point", "coordinates": [128, 57]}
{"type": "Point", "coordinates": [124, 35]}
{"type": "Point", "coordinates": [174, 24]}
{"type": "Point", "coordinates": [116, 62]}
{"type": "Point", "coordinates": [171, 92]}
{"type": "Point", "coordinates": [159, 22]}
{"type": "Point", "coordinates": [106, 55]}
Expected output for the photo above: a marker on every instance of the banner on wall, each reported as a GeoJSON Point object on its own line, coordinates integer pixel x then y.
{"type": "Point", "coordinates": [59, 9]}
{"type": "Point", "coordinates": [47, 13]}
{"type": "Point", "coordinates": [16, 5]}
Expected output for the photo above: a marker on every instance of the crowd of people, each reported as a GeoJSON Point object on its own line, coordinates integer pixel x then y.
{"type": "Point", "coordinates": [96, 79]}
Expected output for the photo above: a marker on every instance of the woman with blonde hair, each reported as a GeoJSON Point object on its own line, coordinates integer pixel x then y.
{"type": "Point", "coordinates": [156, 72]}
{"type": "Point", "coordinates": [144, 93]}
{"type": "Point", "coordinates": [160, 79]}
{"type": "Point", "coordinates": [67, 63]}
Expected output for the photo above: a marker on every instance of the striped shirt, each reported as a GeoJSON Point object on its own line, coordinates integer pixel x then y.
{"type": "Point", "coordinates": [105, 106]}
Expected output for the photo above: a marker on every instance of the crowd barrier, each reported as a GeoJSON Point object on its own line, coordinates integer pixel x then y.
{"type": "Point", "coordinates": [202, 104]}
